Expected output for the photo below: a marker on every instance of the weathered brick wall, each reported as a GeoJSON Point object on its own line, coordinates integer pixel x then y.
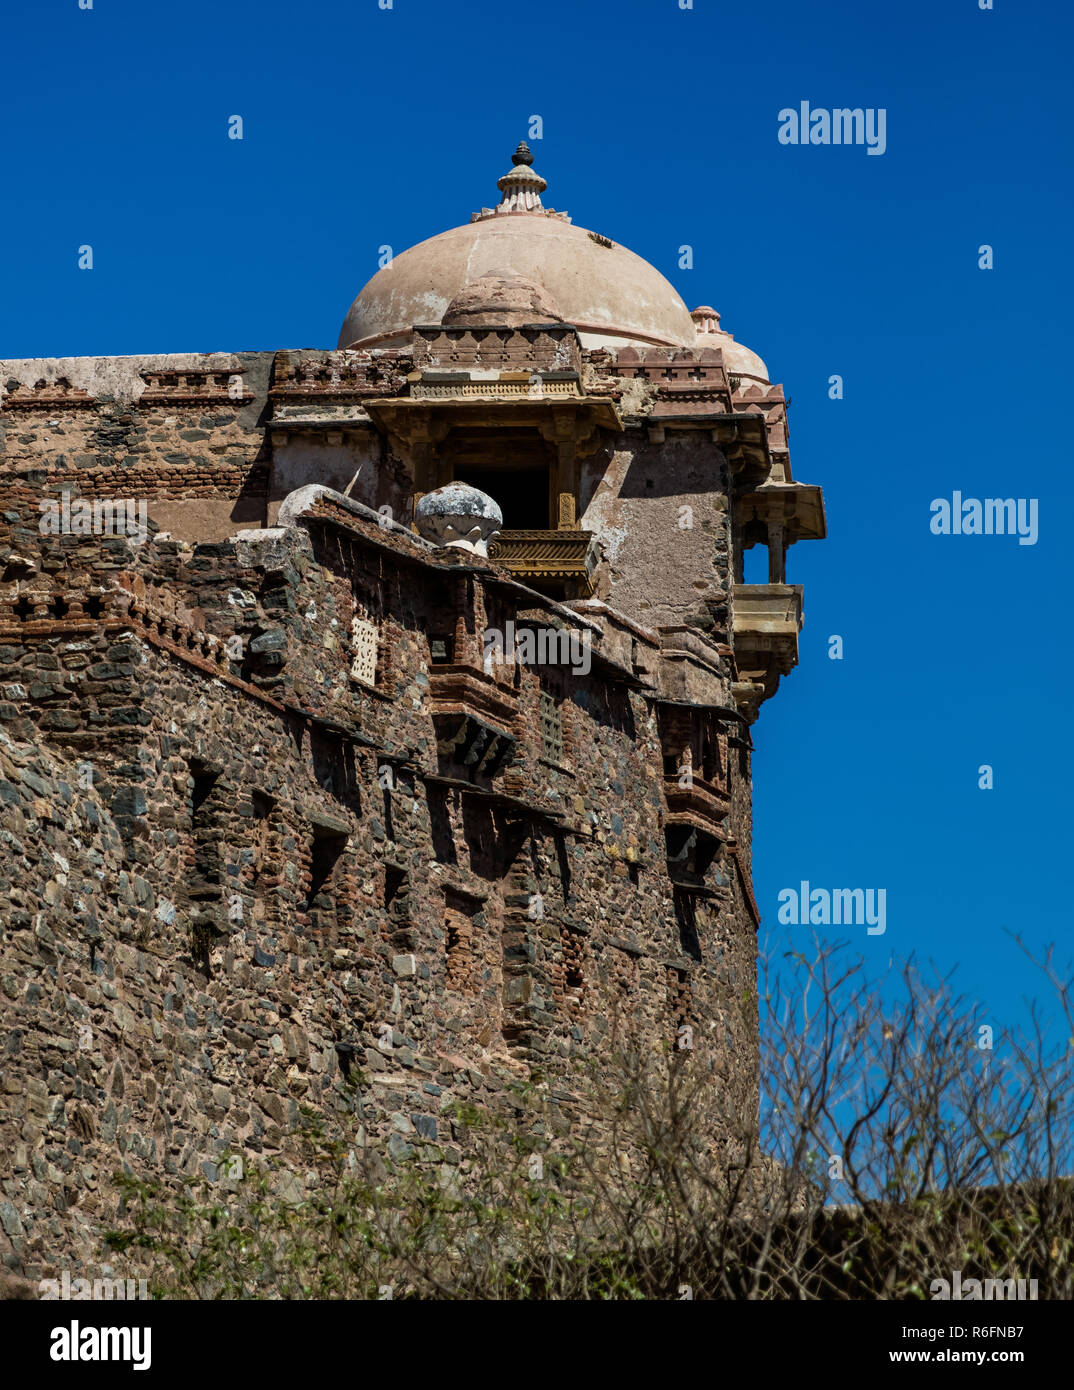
{"type": "Point", "coordinates": [164, 429]}
{"type": "Point", "coordinates": [190, 433]}
{"type": "Point", "coordinates": [213, 443]}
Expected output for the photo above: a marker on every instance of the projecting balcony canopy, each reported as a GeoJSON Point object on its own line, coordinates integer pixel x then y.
{"type": "Point", "coordinates": [741, 436]}
{"type": "Point", "coordinates": [797, 509]}
{"type": "Point", "coordinates": [457, 689]}
{"type": "Point", "coordinates": [768, 617]}
{"type": "Point", "coordinates": [442, 402]}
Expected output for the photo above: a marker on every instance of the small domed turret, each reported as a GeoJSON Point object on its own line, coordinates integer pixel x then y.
{"type": "Point", "coordinates": [738, 359]}
{"type": "Point", "coordinates": [458, 515]}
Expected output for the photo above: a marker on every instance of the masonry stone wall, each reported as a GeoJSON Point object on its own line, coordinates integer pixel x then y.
{"type": "Point", "coordinates": [241, 881]}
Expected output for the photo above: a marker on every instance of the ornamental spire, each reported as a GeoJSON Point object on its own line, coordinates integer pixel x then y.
{"type": "Point", "coordinates": [523, 186]}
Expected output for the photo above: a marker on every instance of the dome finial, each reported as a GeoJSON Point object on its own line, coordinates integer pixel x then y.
{"type": "Point", "coordinates": [523, 186]}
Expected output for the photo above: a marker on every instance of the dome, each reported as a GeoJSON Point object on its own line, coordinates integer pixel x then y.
{"type": "Point", "coordinates": [608, 293]}
{"type": "Point", "coordinates": [738, 359]}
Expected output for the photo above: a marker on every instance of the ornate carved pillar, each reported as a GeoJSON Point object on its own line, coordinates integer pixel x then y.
{"type": "Point", "coordinates": [564, 481]}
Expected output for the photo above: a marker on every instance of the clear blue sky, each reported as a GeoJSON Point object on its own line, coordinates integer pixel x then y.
{"type": "Point", "coordinates": [365, 126]}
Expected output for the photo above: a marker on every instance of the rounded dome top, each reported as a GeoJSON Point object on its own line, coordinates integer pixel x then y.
{"type": "Point", "coordinates": [608, 293]}
{"type": "Point", "coordinates": [738, 359]}
{"type": "Point", "coordinates": [460, 516]}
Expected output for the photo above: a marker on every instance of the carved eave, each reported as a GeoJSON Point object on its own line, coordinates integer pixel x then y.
{"type": "Point", "coordinates": [514, 808]}
{"type": "Point", "coordinates": [742, 438]}
{"type": "Point", "coordinates": [220, 386]}
{"type": "Point", "coordinates": [536, 347]}
{"type": "Point", "coordinates": [470, 742]}
{"type": "Point", "coordinates": [327, 429]}
{"type": "Point", "coordinates": [798, 507]}
{"type": "Point", "coordinates": [512, 403]}
{"type": "Point", "coordinates": [53, 396]}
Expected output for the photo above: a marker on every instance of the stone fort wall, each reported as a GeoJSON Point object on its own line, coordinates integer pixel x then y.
{"type": "Point", "coordinates": [237, 875]}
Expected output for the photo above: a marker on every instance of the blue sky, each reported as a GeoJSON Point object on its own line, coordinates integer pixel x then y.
{"type": "Point", "coordinates": [365, 127]}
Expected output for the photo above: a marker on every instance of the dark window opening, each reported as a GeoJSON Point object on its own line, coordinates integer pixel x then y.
{"type": "Point", "coordinates": [402, 934]}
{"type": "Point", "coordinates": [204, 826]}
{"type": "Point", "coordinates": [573, 968]}
{"type": "Point", "coordinates": [262, 807]}
{"type": "Point", "coordinates": [326, 852]}
{"type": "Point", "coordinates": [456, 951]}
{"type": "Point", "coordinates": [334, 767]}
{"type": "Point", "coordinates": [394, 885]}
{"type": "Point", "coordinates": [522, 493]}
{"type": "Point", "coordinates": [459, 953]}
{"type": "Point", "coordinates": [686, 917]}
{"type": "Point", "coordinates": [680, 1008]}
{"type": "Point", "coordinates": [204, 782]}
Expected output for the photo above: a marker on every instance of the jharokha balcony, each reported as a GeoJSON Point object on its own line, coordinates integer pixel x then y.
{"type": "Point", "coordinates": [455, 688]}
{"type": "Point", "coordinates": [474, 718]}
{"type": "Point", "coordinates": [700, 804]}
{"type": "Point", "coordinates": [561, 563]}
{"type": "Point", "coordinates": [768, 619]}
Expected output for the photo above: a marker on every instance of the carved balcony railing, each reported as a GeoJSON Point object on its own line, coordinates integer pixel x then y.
{"type": "Point", "coordinates": [456, 688]}
{"type": "Point", "coordinates": [563, 557]}
{"type": "Point", "coordinates": [474, 717]}
{"type": "Point", "coordinates": [700, 804]}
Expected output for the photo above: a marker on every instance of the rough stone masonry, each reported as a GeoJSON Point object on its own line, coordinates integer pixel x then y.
{"type": "Point", "coordinates": [269, 816]}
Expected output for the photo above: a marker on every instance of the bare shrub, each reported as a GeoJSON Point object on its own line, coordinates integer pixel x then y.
{"type": "Point", "coordinates": [894, 1146]}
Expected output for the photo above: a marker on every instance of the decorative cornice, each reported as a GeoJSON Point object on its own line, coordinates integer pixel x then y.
{"type": "Point", "coordinates": [57, 395]}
